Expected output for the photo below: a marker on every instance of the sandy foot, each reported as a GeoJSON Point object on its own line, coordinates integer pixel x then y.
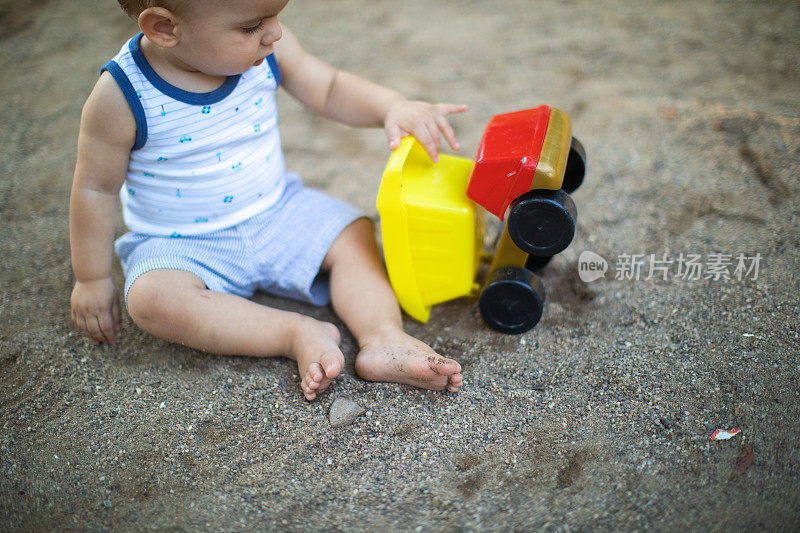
{"type": "Point", "coordinates": [397, 357]}
{"type": "Point", "coordinates": [318, 357]}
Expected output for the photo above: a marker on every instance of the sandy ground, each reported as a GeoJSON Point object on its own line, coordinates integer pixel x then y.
{"type": "Point", "coordinates": [599, 418]}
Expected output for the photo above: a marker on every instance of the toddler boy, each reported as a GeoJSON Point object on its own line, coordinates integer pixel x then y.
{"type": "Point", "coordinates": [181, 126]}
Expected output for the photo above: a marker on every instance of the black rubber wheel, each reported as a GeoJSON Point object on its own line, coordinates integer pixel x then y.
{"type": "Point", "coordinates": [535, 262]}
{"type": "Point", "coordinates": [576, 167]}
{"type": "Point", "coordinates": [542, 222]}
{"type": "Point", "coordinates": [513, 300]}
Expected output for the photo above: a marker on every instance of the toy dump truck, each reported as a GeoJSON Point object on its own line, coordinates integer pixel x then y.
{"type": "Point", "coordinates": [433, 217]}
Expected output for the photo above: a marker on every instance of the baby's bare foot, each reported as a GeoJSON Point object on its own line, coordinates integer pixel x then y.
{"type": "Point", "coordinates": [319, 359]}
{"type": "Point", "coordinates": [396, 357]}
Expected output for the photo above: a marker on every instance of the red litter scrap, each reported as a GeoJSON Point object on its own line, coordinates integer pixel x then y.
{"type": "Point", "coordinates": [725, 434]}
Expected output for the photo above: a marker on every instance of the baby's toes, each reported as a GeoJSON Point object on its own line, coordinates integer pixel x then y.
{"type": "Point", "coordinates": [308, 392]}
{"type": "Point", "coordinates": [310, 382]}
{"type": "Point", "coordinates": [330, 365]}
{"type": "Point", "coordinates": [454, 382]}
{"type": "Point", "coordinates": [314, 375]}
{"type": "Point", "coordinates": [444, 366]}
{"type": "Point", "coordinates": [454, 365]}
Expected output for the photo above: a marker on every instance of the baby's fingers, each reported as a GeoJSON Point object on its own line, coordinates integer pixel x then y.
{"type": "Point", "coordinates": [80, 321]}
{"type": "Point", "coordinates": [393, 135]}
{"type": "Point", "coordinates": [108, 330]}
{"type": "Point", "coordinates": [447, 131]}
{"type": "Point", "coordinates": [116, 315]}
{"type": "Point", "coordinates": [428, 136]}
{"type": "Point", "coordinates": [99, 328]}
{"type": "Point", "coordinates": [91, 328]}
{"type": "Point", "coordinates": [444, 125]}
{"type": "Point", "coordinates": [447, 109]}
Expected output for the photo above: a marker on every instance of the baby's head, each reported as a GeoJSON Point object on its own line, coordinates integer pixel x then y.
{"type": "Point", "coordinates": [215, 37]}
{"type": "Point", "coordinates": [134, 7]}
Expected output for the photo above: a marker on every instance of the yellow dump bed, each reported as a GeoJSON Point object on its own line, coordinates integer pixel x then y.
{"type": "Point", "coordinates": [432, 233]}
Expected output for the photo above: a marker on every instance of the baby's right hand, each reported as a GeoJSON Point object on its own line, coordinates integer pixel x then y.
{"type": "Point", "coordinates": [95, 309]}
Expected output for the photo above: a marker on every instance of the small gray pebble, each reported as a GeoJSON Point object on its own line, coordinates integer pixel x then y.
{"type": "Point", "coordinates": [344, 411]}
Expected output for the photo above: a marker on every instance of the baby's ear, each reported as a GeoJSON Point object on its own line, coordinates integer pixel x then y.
{"type": "Point", "coordinates": [160, 26]}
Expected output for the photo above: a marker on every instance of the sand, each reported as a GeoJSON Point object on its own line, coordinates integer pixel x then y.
{"type": "Point", "coordinates": [599, 418]}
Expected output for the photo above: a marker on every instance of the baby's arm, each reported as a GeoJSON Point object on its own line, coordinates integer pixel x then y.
{"type": "Point", "coordinates": [352, 100]}
{"type": "Point", "coordinates": [107, 133]}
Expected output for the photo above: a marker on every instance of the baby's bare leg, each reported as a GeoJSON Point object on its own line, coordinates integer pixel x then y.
{"type": "Point", "coordinates": [363, 298]}
{"type": "Point", "coordinates": [175, 305]}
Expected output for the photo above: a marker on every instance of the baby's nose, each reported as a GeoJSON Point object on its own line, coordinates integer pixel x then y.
{"type": "Point", "coordinates": [273, 32]}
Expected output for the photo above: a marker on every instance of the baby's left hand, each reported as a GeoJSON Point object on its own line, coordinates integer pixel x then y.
{"type": "Point", "coordinates": [427, 122]}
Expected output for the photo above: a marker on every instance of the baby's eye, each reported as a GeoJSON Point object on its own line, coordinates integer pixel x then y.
{"type": "Point", "coordinates": [253, 29]}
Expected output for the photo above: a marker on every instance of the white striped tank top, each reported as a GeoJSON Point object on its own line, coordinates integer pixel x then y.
{"type": "Point", "coordinates": [201, 161]}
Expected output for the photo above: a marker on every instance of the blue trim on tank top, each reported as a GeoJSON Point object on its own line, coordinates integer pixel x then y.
{"type": "Point", "coordinates": [273, 66]}
{"type": "Point", "coordinates": [170, 90]}
{"type": "Point", "coordinates": [133, 99]}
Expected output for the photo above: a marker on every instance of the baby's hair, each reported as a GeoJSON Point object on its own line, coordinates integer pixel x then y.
{"type": "Point", "coordinates": [134, 7]}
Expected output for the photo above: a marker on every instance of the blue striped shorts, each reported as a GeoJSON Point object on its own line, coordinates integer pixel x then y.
{"type": "Point", "coordinates": [278, 251]}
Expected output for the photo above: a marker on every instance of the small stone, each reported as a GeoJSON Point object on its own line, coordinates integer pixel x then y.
{"type": "Point", "coordinates": [343, 412]}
